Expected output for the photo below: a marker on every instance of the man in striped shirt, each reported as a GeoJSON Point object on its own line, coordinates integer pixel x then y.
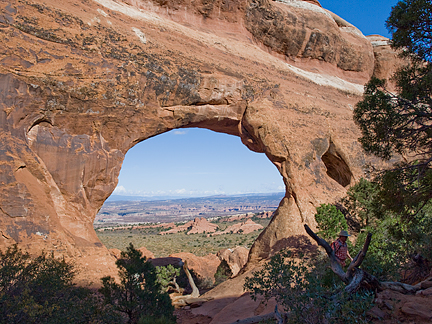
{"type": "Point", "coordinates": [340, 248]}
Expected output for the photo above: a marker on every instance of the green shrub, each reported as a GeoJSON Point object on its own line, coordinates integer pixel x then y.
{"type": "Point", "coordinates": [307, 291]}
{"type": "Point", "coordinates": [223, 272]}
{"type": "Point", "coordinates": [139, 293]}
{"type": "Point", "coordinates": [166, 275]}
{"type": "Point", "coordinates": [330, 221]}
{"type": "Point", "coordinates": [40, 290]}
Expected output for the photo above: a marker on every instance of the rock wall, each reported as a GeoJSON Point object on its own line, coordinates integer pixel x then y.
{"type": "Point", "coordinates": [82, 82]}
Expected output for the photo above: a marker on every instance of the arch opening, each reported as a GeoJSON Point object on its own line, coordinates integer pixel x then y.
{"type": "Point", "coordinates": [186, 175]}
{"type": "Point", "coordinates": [337, 168]}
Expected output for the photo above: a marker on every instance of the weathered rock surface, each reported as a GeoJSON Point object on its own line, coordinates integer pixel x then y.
{"type": "Point", "coordinates": [205, 266]}
{"type": "Point", "coordinates": [235, 258]}
{"type": "Point", "coordinates": [115, 253]}
{"type": "Point", "coordinates": [146, 253]}
{"type": "Point", "coordinates": [395, 307]}
{"type": "Point", "coordinates": [202, 225]}
{"type": "Point", "coordinates": [83, 82]}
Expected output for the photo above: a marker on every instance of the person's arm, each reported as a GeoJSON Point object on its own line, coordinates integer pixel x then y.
{"type": "Point", "coordinates": [349, 256]}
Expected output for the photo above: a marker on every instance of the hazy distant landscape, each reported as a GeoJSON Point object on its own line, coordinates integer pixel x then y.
{"type": "Point", "coordinates": [125, 210]}
{"type": "Point", "coordinates": [162, 246]}
{"type": "Point", "coordinates": [115, 222]}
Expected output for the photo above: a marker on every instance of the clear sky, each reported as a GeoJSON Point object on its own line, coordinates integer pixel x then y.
{"type": "Point", "coordinates": [199, 162]}
{"type": "Point", "coordinates": [367, 15]}
{"type": "Point", "coordinates": [196, 162]}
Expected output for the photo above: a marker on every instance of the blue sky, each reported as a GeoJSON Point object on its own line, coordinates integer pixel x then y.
{"type": "Point", "coordinates": [199, 162]}
{"type": "Point", "coordinates": [196, 162]}
{"type": "Point", "coordinates": [369, 16]}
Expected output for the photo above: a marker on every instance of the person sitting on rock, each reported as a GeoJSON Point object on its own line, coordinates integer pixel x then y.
{"type": "Point", "coordinates": [340, 248]}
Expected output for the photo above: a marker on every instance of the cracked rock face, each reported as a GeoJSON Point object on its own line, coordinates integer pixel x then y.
{"type": "Point", "coordinates": [83, 82]}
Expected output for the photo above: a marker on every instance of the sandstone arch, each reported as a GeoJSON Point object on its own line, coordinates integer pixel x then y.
{"type": "Point", "coordinates": [79, 87]}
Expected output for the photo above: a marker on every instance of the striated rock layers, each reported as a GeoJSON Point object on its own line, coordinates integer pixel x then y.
{"type": "Point", "coordinates": [81, 82]}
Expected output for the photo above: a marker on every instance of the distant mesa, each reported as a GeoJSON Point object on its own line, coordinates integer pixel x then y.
{"type": "Point", "coordinates": [197, 226]}
{"type": "Point", "coordinates": [246, 227]}
{"type": "Point", "coordinates": [133, 227]}
{"type": "Point", "coordinates": [266, 214]}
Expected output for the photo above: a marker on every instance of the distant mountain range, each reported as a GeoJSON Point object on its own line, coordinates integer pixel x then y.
{"type": "Point", "coordinates": [134, 209]}
{"type": "Point", "coordinates": [113, 198]}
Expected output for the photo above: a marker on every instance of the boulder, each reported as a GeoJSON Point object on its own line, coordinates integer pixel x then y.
{"type": "Point", "coordinates": [163, 262]}
{"type": "Point", "coordinates": [418, 310]}
{"type": "Point", "coordinates": [425, 284]}
{"type": "Point", "coordinates": [146, 253]}
{"type": "Point", "coordinates": [204, 267]}
{"type": "Point", "coordinates": [398, 307]}
{"type": "Point", "coordinates": [235, 258]}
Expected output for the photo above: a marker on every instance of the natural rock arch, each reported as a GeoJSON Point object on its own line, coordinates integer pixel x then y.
{"type": "Point", "coordinates": [79, 87]}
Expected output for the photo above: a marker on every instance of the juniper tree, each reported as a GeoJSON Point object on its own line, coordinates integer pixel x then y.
{"type": "Point", "coordinates": [400, 123]}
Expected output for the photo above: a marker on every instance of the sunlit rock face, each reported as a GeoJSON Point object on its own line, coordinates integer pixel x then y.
{"type": "Point", "coordinates": [81, 82]}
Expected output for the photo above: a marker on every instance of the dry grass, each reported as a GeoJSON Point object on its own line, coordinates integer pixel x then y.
{"type": "Point", "coordinates": [164, 245]}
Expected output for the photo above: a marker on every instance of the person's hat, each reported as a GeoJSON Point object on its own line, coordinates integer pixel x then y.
{"type": "Point", "coordinates": [344, 233]}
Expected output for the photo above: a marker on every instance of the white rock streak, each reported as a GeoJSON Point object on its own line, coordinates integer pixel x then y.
{"type": "Point", "coordinates": [320, 79]}
{"type": "Point", "coordinates": [353, 30]}
{"type": "Point", "coordinates": [103, 13]}
{"type": "Point", "coordinates": [380, 43]}
{"type": "Point", "coordinates": [129, 11]}
{"type": "Point", "coordinates": [305, 5]}
{"type": "Point", "coordinates": [140, 35]}
{"type": "Point", "coordinates": [328, 80]}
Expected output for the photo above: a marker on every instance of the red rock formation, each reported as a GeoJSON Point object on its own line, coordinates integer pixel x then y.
{"type": "Point", "coordinates": [163, 262]}
{"type": "Point", "coordinates": [205, 266]}
{"type": "Point", "coordinates": [115, 253]}
{"type": "Point", "coordinates": [267, 214]}
{"type": "Point", "coordinates": [246, 227]}
{"type": "Point", "coordinates": [177, 229]}
{"type": "Point", "coordinates": [197, 226]}
{"type": "Point", "coordinates": [392, 307]}
{"type": "Point", "coordinates": [235, 258]}
{"type": "Point", "coordinates": [83, 82]}
{"type": "Point", "coordinates": [238, 217]}
{"type": "Point", "coordinates": [146, 253]}
{"type": "Point", "coordinates": [202, 225]}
